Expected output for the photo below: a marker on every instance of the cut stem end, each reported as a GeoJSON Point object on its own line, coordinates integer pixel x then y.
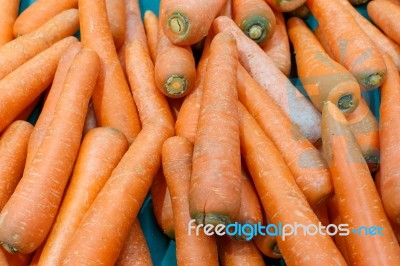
{"type": "Point", "coordinates": [178, 24]}
{"type": "Point", "coordinates": [176, 86]}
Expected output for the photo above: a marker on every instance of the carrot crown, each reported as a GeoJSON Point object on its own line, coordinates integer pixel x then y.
{"type": "Point", "coordinates": [179, 24]}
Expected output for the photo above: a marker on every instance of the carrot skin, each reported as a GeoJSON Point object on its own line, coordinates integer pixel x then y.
{"type": "Point", "coordinates": [304, 161]}
{"type": "Point", "coordinates": [191, 249]}
{"type": "Point", "coordinates": [238, 253]}
{"type": "Point", "coordinates": [13, 146]}
{"type": "Point", "coordinates": [278, 47]}
{"type": "Point", "coordinates": [90, 120]}
{"type": "Point", "coordinates": [29, 81]}
{"type": "Point", "coordinates": [186, 22]}
{"type": "Point", "coordinates": [389, 139]}
{"type": "Point", "coordinates": [282, 200]}
{"type": "Point", "coordinates": [162, 205]}
{"type": "Point", "coordinates": [100, 152]}
{"type": "Point", "coordinates": [116, 17]}
{"type": "Point", "coordinates": [47, 113]}
{"type": "Point", "coordinates": [118, 203]}
{"type": "Point", "coordinates": [255, 18]}
{"type": "Point", "coordinates": [216, 180]}
{"type": "Point", "coordinates": [22, 49]}
{"type": "Point", "coordinates": [285, 6]}
{"type": "Point", "coordinates": [135, 251]}
{"type": "Point", "coordinates": [26, 113]}
{"type": "Point", "coordinates": [8, 15]}
{"type": "Point", "coordinates": [112, 100]}
{"type": "Point", "coordinates": [301, 112]}
{"type": "Point", "coordinates": [268, 245]}
{"type": "Point", "coordinates": [151, 25]}
{"type": "Point", "coordinates": [353, 183]}
{"type": "Point", "coordinates": [24, 224]}
{"type": "Point", "coordinates": [323, 78]}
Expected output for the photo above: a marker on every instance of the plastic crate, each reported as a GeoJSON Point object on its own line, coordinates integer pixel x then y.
{"type": "Point", "coordinates": [162, 249]}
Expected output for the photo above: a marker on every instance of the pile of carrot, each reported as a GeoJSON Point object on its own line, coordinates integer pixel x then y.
{"type": "Point", "coordinates": [194, 105]}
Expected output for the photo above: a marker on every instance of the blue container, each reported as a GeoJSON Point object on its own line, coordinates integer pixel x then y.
{"type": "Point", "coordinates": [161, 247]}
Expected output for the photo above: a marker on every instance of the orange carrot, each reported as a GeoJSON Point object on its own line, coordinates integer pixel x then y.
{"type": "Point", "coordinates": [255, 18]}
{"type": "Point", "coordinates": [303, 159]}
{"type": "Point", "coordinates": [278, 47]}
{"type": "Point", "coordinates": [175, 106]}
{"type": "Point", "coordinates": [26, 113]}
{"type": "Point", "coordinates": [216, 180]}
{"type": "Point", "coordinates": [358, 201]}
{"type": "Point", "coordinates": [186, 22]}
{"type": "Point", "coordinates": [358, 2]}
{"type": "Point", "coordinates": [115, 208]}
{"type": "Point", "coordinates": [302, 12]}
{"type": "Point", "coordinates": [397, 2]}
{"type": "Point", "coordinates": [100, 152]}
{"type": "Point", "coordinates": [8, 15]}
{"type": "Point", "coordinates": [36, 255]}
{"type": "Point", "coordinates": [162, 205]}
{"type": "Point", "coordinates": [39, 13]}
{"type": "Point", "coordinates": [381, 41]}
{"type": "Point", "coordinates": [365, 128]}
{"type": "Point", "coordinates": [20, 50]}
{"type": "Point", "coordinates": [175, 71]}
{"type": "Point", "coordinates": [323, 78]}
{"type": "Point", "coordinates": [349, 44]}
{"type": "Point", "coordinates": [187, 120]}
{"type": "Point", "coordinates": [24, 223]}
{"type": "Point", "coordinates": [389, 138]}
{"type": "Point", "coordinates": [191, 249]}
{"type": "Point", "coordinates": [112, 100]}
{"type": "Point", "coordinates": [135, 250]}
{"type": "Point", "coordinates": [13, 146]}
{"type": "Point", "coordinates": [386, 16]}
{"type": "Point", "coordinates": [3, 259]}
{"type": "Point", "coordinates": [268, 245]}
{"type": "Point", "coordinates": [322, 214]}
{"type": "Point", "coordinates": [285, 6]}
{"type": "Point", "coordinates": [90, 121]}
{"type": "Point", "coordinates": [226, 10]}
{"type": "Point", "coordinates": [151, 26]}
{"type": "Point", "coordinates": [282, 199]}
{"type": "Point", "coordinates": [47, 112]}
{"type": "Point", "coordinates": [117, 18]}
{"type": "Point", "coordinates": [21, 87]}
{"type": "Point", "coordinates": [232, 252]}
{"type": "Point", "coordinates": [301, 111]}
{"type": "Point", "coordinates": [250, 207]}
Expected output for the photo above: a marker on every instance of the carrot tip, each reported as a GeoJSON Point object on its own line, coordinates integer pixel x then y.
{"type": "Point", "coordinates": [9, 248]}
{"type": "Point", "coordinates": [178, 24]}
{"type": "Point", "coordinates": [346, 103]}
{"type": "Point", "coordinates": [176, 85]}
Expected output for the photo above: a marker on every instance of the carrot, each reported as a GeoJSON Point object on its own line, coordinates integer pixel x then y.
{"type": "Point", "coordinates": [135, 250]}
{"type": "Point", "coordinates": [175, 106]}
{"type": "Point", "coordinates": [13, 146]}
{"type": "Point", "coordinates": [389, 138]}
{"type": "Point", "coordinates": [323, 78]}
{"type": "Point", "coordinates": [112, 100]}
{"type": "Point", "coordinates": [116, 17]}
{"type": "Point", "coordinates": [322, 214]}
{"type": "Point", "coordinates": [100, 152]}
{"type": "Point", "coordinates": [250, 207]}
{"type": "Point", "coordinates": [349, 44]}
{"type": "Point", "coordinates": [175, 71]}
{"type": "Point", "coordinates": [216, 181]}
{"type": "Point", "coordinates": [47, 112]}
{"type": "Point", "coordinates": [358, 201]}
{"type": "Point", "coordinates": [187, 120]}
{"type": "Point", "coordinates": [358, 2]}
{"type": "Point", "coordinates": [385, 44]}
{"type": "Point", "coordinates": [365, 128]}
{"type": "Point", "coordinates": [397, 2]}
{"type": "Point", "coordinates": [113, 211]}
{"type": "Point", "coordinates": [3, 259]}
{"type": "Point", "coordinates": [191, 248]}
{"type": "Point", "coordinates": [226, 10]}
{"type": "Point", "coordinates": [162, 205]}
{"type": "Point", "coordinates": [232, 252]}
{"type": "Point", "coordinates": [268, 245]}
{"type": "Point", "coordinates": [18, 259]}
{"type": "Point", "coordinates": [304, 161]}
{"type": "Point", "coordinates": [8, 15]}
{"type": "Point", "coordinates": [90, 120]}
{"type": "Point", "coordinates": [255, 18]}
{"type": "Point", "coordinates": [186, 22]}
{"type": "Point", "coordinates": [385, 15]}
{"type": "Point", "coordinates": [278, 47]}
{"type": "Point", "coordinates": [26, 113]}
{"type": "Point", "coordinates": [282, 200]}
{"type": "Point", "coordinates": [24, 223]}
{"type": "Point", "coordinates": [22, 49]}
{"type": "Point", "coordinates": [151, 26]}
{"type": "Point", "coordinates": [29, 81]}
{"type": "Point", "coordinates": [301, 112]}
{"type": "Point", "coordinates": [302, 12]}
{"type": "Point", "coordinates": [36, 255]}
{"type": "Point", "coordinates": [285, 6]}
